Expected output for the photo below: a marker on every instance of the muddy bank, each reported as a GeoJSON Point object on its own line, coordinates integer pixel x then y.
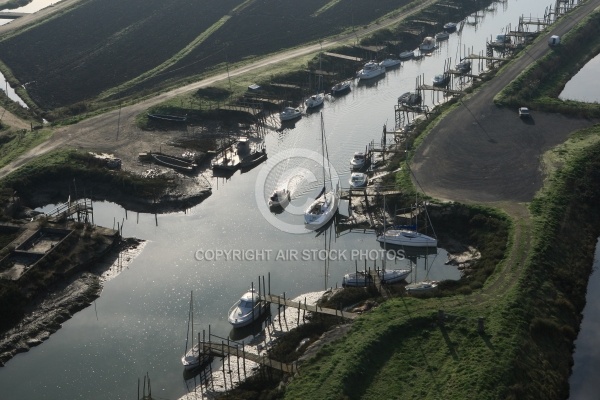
{"type": "Point", "coordinates": [181, 192]}
{"type": "Point", "coordinates": [62, 300]}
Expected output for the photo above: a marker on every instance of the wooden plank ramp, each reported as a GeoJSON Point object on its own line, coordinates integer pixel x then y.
{"type": "Point", "coordinates": [303, 306]}
{"type": "Point", "coordinates": [222, 349]}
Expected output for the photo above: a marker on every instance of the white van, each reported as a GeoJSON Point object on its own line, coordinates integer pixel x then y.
{"type": "Point", "coordinates": [554, 40]}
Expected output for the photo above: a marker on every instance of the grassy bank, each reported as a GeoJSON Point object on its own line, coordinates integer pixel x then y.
{"type": "Point", "coordinates": [403, 350]}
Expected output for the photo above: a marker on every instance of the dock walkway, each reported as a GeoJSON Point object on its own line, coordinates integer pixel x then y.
{"type": "Point", "coordinates": [282, 301]}
{"type": "Point", "coordinates": [222, 350]}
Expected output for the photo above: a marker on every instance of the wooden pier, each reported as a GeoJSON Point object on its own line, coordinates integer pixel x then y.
{"type": "Point", "coordinates": [226, 349]}
{"type": "Point", "coordinates": [82, 208]}
{"type": "Point", "coordinates": [343, 57]}
{"type": "Point", "coordinates": [282, 301]}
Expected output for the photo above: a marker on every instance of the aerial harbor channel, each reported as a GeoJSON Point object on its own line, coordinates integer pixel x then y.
{"type": "Point", "coordinates": [229, 242]}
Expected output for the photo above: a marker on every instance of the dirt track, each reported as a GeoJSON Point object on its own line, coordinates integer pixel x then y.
{"type": "Point", "coordinates": [484, 153]}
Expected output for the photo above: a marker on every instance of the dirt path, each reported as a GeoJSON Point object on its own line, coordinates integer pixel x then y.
{"type": "Point", "coordinates": [484, 153]}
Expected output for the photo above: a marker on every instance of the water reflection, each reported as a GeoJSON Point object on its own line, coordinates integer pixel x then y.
{"type": "Point", "coordinates": [585, 85]}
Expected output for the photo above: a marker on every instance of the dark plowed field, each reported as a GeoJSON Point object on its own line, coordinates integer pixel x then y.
{"type": "Point", "coordinates": [101, 44]}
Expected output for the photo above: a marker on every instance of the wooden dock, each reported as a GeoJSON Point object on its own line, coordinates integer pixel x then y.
{"type": "Point", "coordinates": [343, 57]}
{"type": "Point", "coordinates": [81, 207]}
{"type": "Point", "coordinates": [282, 301]}
{"type": "Point", "coordinates": [225, 349]}
{"type": "Point", "coordinates": [243, 109]}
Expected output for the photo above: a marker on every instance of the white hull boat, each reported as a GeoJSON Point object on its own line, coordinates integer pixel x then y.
{"type": "Point", "coordinates": [289, 113]}
{"type": "Point", "coordinates": [246, 310]}
{"type": "Point", "coordinates": [440, 80]}
{"type": "Point", "coordinates": [464, 66]}
{"type": "Point", "coordinates": [391, 276]}
{"type": "Point", "coordinates": [390, 63]}
{"type": "Point", "coordinates": [358, 180]}
{"type": "Point", "coordinates": [442, 36]}
{"type": "Point", "coordinates": [315, 100]}
{"type": "Point", "coordinates": [428, 44]}
{"type": "Point", "coordinates": [421, 287]}
{"type": "Point", "coordinates": [406, 237]}
{"type": "Point", "coordinates": [357, 279]}
{"type": "Point", "coordinates": [192, 358]}
{"type": "Point", "coordinates": [407, 55]}
{"type": "Point", "coordinates": [321, 210]}
{"type": "Point", "coordinates": [450, 26]}
{"type": "Point", "coordinates": [358, 160]}
{"type": "Point", "coordinates": [371, 70]}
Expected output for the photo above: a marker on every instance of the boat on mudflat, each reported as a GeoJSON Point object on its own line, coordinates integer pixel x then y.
{"type": "Point", "coordinates": [289, 113]}
{"type": "Point", "coordinates": [357, 279]}
{"type": "Point", "coordinates": [167, 117]}
{"type": "Point", "coordinates": [391, 276]}
{"type": "Point", "coordinates": [177, 163]}
{"type": "Point", "coordinates": [421, 287]}
{"type": "Point", "coordinates": [428, 44]}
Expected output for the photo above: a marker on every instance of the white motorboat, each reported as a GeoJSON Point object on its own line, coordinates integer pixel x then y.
{"type": "Point", "coordinates": [289, 113]}
{"type": "Point", "coordinates": [406, 237]}
{"type": "Point", "coordinates": [464, 66]}
{"type": "Point", "coordinates": [246, 310]}
{"type": "Point", "coordinates": [314, 101]}
{"type": "Point", "coordinates": [341, 87]}
{"type": "Point", "coordinates": [441, 80]}
{"type": "Point", "coordinates": [279, 198]}
{"type": "Point", "coordinates": [357, 279]}
{"type": "Point", "coordinates": [450, 26]}
{"type": "Point", "coordinates": [358, 180]}
{"type": "Point", "coordinates": [391, 276]}
{"type": "Point", "coordinates": [390, 62]}
{"type": "Point", "coordinates": [421, 287]}
{"type": "Point", "coordinates": [371, 70]}
{"type": "Point", "coordinates": [407, 55]}
{"type": "Point", "coordinates": [325, 205]}
{"type": "Point", "coordinates": [428, 44]}
{"type": "Point", "coordinates": [358, 160]}
{"type": "Point", "coordinates": [444, 35]}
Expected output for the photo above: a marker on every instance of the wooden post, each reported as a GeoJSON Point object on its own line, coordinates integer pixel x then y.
{"type": "Point", "coordinates": [284, 305]}
{"type": "Point", "coordinates": [244, 358]}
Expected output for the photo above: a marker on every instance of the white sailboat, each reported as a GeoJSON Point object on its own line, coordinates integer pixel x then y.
{"type": "Point", "coordinates": [192, 357]}
{"type": "Point", "coordinates": [324, 207]}
{"type": "Point", "coordinates": [391, 276]}
{"type": "Point", "coordinates": [410, 236]}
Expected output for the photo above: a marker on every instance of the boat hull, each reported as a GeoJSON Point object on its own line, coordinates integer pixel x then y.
{"type": "Point", "coordinates": [321, 210]}
{"type": "Point", "coordinates": [357, 279]}
{"type": "Point", "coordinates": [408, 238]}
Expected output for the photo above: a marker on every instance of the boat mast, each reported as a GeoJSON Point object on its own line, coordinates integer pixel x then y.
{"type": "Point", "coordinates": [323, 148]}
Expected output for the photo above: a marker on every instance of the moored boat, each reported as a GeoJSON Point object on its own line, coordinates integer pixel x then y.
{"type": "Point", "coordinates": [314, 101]}
{"type": "Point", "coordinates": [428, 44]}
{"type": "Point", "coordinates": [421, 287]}
{"type": "Point", "coordinates": [444, 35]}
{"type": "Point", "coordinates": [358, 160]}
{"type": "Point", "coordinates": [371, 70]}
{"type": "Point", "coordinates": [357, 279]}
{"type": "Point", "coordinates": [464, 66]}
{"type": "Point", "coordinates": [358, 180]}
{"type": "Point", "coordinates": [441, 80]}
{"type": "Point", "coordinates": [247, 309]}
{"type": "Point", "coordinates": [341, 87]}
{"type": "Point", "coordinates": [450, 26]}
{"type": "Point", "coordinates": [290, 113]}
{"type": "Point", "coordinates": [410, 98]}
{"type": "Point", "coordinates": [406, 237]}
{"type": "Point", "coordinates": [391, 276]}
{"type": "Point", "coordinates": [406, 55]}
{"type": "Point", "coordinates": [254, 158]}
{"type": "Point", "coordinates": [390, 62]}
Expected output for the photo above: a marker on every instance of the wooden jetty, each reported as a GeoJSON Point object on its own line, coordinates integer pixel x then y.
{"type": "Point", "coordinates": [343, 56]}
{"type": "Point", "coordinates": [282, 301]}
{"type": "Point", "coordinates": [253, 111]}
{"type": "Point", "coordinates": [81, 207]}
{"type": "Point", "coordinates": [226, 349]}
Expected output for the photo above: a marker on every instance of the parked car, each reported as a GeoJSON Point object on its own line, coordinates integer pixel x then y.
{"type": "Point", "coordinates": [524, 112]}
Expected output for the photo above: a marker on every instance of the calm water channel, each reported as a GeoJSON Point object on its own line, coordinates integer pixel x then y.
{"type": "Point", "coordinates": [585, 86]}
{"type": "Point", "coordinates": [138, 325]}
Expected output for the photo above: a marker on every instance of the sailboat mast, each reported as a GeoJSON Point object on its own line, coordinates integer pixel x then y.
{"type": "Point", "coordinates": [323, 148]}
